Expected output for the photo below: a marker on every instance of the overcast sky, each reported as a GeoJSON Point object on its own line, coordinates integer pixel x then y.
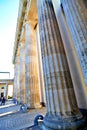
{"type": "Point", "coordinates": [8, 21]}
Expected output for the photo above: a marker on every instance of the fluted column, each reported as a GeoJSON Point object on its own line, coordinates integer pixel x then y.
{"type": "Point", "coordinates": [14, 84]}
{"type": "Point", "coordinates": [6, 90]}
{"type": "Point", "coordinates": [40, 69]}
{"type": "Point", "coordinates": [31, 68]}
{"type": "Point", "coordinates": [22, 73]}
{"type": "Point", "coordinates": [75, 12]}
{"type": "Point", "coordinates": [15, 80]}
{"type": "Point", "coordinates": [62, 110]}
{"type": "Point", "coordinates": [18, 74]}
{"type": "Point", "coordinates": [72, 57]}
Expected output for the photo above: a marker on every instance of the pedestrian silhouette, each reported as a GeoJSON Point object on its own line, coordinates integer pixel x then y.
{"type": "Point", "coordinates": [3, 101]}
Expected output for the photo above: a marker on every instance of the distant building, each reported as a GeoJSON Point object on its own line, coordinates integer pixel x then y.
{"type": "Point", "coordinates": [6, 88]}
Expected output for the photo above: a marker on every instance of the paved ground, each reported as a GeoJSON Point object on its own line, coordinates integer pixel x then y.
{"type": "Point", "coordinates": [11, 118]}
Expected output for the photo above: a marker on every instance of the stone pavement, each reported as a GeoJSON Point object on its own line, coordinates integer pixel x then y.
{"type": "Point", "coordinates": [8, 109]}
{"type": "Point", "coordinates": [17, 120]}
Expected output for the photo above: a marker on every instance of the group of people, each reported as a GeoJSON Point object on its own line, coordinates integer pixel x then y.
{"type": "Point", "coordinates": [2, 99]}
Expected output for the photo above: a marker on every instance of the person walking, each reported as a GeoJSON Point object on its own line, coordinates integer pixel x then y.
{"type": "Point", "coordinates": [3, 101]}
{"type": "Point", "coordinates": [14, 100]}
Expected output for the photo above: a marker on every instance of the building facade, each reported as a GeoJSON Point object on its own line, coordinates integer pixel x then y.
{"type": "Point", "coordinates": [6, 88]}
{"type": "Point", "coordinates": [50, 60]}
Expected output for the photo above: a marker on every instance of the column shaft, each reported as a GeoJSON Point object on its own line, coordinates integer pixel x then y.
{"type": "Point", "coordinates": [72, 57]}
{"type": "Point", "coordinates": [6, 90]}
{"type": "Point", "coordinates": [76, 20]}
{"type": "Point", "coordinates": [18, 74]}
{"type": "Point", "coordinates": [40, 69]}
{"type": "Point", "coordinates": [22, 73]}
{"type": "Point", "coordinates": [15, 81]}
{"type": "Point", "coordinates": [31, 68]}
{"type": "Point", "coordinates": [61, 107]}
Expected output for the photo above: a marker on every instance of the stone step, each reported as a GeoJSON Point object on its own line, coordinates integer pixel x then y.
{"type": "Point", "coordinates": [9, 113]}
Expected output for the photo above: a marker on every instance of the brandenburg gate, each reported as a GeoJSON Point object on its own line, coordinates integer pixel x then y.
{"type": "Point", "coordinates": [50, 61]}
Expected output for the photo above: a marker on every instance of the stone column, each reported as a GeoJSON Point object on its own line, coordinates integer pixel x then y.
{"type": "Point", "coordinates": [62, 109]}
{"type": "Point", "coordinates": [6, 90]}
{"type": "Point", "coordinates": [31, 68]}
{"type": "Point", "coordinates": [40, 69]}
{"type": "Point", "coordinates": [72, 57]}
{"type": "Point", "coordinates": [15, 78]}
{"type": "Point", "coordinates": [22, 73]}
{"type": "Point", "coordinates": [18, 74]}
{"type": "Point", "coordinates": [75, 12]}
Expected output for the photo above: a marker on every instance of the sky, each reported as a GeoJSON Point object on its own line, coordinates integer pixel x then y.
{"type": "Point", "coordinates": [8, 22]}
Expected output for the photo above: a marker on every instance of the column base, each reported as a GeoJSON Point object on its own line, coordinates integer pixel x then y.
{"type": "Point", "coordinates": [63, 124]}
{"type": "Point", "coordinates": [84, 112]}
{"type": "Point", "coordinates": [33, 106]}
{"type": "Point", "coordinates": [43, 104]}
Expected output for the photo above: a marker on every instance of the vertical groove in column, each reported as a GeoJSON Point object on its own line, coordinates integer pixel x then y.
{"type": "Point", "coordinates": [22, 73]}
{"type": "Point", "coordinates": [32, 85]}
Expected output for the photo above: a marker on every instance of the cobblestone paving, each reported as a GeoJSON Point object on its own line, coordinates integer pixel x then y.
{"type": "Point", "coordinates": [19, 120]}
